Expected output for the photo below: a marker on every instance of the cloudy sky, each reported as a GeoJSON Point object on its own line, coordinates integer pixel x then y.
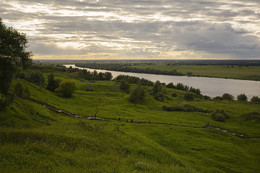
{"type": "Point", "coordinates": [137, 29]}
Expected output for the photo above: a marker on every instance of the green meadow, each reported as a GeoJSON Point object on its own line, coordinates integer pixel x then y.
{"type": "Point", "coordinates": [34, 138]}
{"type": "Point", "coordinates": [219, 71]}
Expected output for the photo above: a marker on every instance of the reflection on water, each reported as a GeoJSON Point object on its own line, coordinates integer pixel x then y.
{"type": "Point", "coordinates": [209, 86]}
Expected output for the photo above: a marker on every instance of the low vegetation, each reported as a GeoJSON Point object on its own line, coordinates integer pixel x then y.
{"type": "Point", "coordinates": [219, 115]}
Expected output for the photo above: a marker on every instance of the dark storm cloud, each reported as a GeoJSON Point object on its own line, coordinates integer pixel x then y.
{"type": "Point", "coordinates": [138, 28]}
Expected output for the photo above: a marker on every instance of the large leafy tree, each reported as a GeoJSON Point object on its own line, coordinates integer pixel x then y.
{"type": "Point", "coordinates": [13, 57]}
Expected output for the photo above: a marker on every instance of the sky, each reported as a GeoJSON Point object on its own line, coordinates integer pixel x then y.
{"type": "Point", "coordinates": [137, 29]}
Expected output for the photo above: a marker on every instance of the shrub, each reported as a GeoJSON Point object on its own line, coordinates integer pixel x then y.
{"type": "Point", "coordinates": [6, 100]}
{"type": "Point", "coordinates": [170, 85]}
{"type": "Point", "coordinates": [18, 88]}
{"type": "Point", "coordinates": [124, 86]}
{"type": "Point", "coordinates": [137, 95]}
{"type": "Point", "coordinates": [219, 115]}
{"type": "Point", "coordinates": [255, 99]}
{"type": "Point", "coordinates": [159, 97]}
{"type": "Point", "coordinates": [174, 95]}
{"type": "Point", "coordinates": [37, 78]}
{"type": "Point", "coordinates": [185, 108]}
{"type": "Point", "coordinates": [242, 97]}
{"type": "Point", "coordinates": [188, 97]}
{"type": "Point", "coordinates": [66, 88]}
{"type": "Point", "coordinates": [227, 96]}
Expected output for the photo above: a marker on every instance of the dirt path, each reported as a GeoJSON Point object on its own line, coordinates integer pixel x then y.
{"type": "Point", "coordinates": [57, 110]}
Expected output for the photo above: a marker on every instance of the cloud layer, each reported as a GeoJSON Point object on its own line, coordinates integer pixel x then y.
{"type": "Point", "coordinates": [144, 29]}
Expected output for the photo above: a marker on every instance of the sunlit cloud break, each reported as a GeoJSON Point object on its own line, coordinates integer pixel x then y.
{"type": "Point", "coordinates": [166, 29]}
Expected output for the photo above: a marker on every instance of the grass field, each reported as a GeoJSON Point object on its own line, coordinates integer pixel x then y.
{"type": "Point", "coordinates": [220, 71]}
{"type": "Point", "coordinates": [36, 139]}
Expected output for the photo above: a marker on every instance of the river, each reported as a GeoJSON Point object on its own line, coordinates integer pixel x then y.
{"type": "Point", "coordinates": [208, 86]}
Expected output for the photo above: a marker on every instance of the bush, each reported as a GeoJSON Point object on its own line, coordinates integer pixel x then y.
{"type": "Point", "coordinates": [66, 88]}
{"type": "Point", "coordinates": [18, 88]}
{"type": "Point", "coordinates": [174, 95]}
{"type": "Point", "coordinates": [242, 97]}
{"type": "Point", "coordinates": [185, 108]}
{"type": "Point", "coordinates": [227, 96]}
{"type": "Point", "coordinates": [255, 99]}
{"type": "Point", "coordinates": [159, 97]}
{"type": "Point", "coordinates": [188, 97]}
{"type": "Point", "coordinates": [124, 86]}
{"type": "Point", "coordinates": [170, 85]}
{"type": "Point", "coordinates": [219, 115]}
{"type": "Point", "coordinates": [37, 78]}
{"type": "Point", "coordinates": [6, 100]}
{"type": "Point", "coordinates": [137, 95]}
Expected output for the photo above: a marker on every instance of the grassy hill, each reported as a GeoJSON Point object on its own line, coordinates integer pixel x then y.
{"type": "Point", "coordinates": [37, 139]}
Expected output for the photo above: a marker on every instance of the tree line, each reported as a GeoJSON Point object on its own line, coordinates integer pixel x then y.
{"type": "Point", "coordinates": [127, 68]}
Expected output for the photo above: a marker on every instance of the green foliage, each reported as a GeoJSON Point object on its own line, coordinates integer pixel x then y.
{"type": "Point", "coordinates": [174, 95]}
{"type": "Point", "coordinates": [227, 96]}
{"type": "Point", "coordinates": [188, 96]}
{"type": "Point", "coordinates": [185, 108]}
{"type": "Point", "coordinates": [159, 96]}
{"type": "Point", "coordinates": [37, 78]}
{"type": "Point", "coordinates": [94, 75]}
{"type": "Point", "coordinates": [124, 86]}
{"type": "Point", "coordinates": [158, 91]}
{"type": "Point", "coordinates": [219, 115]}
{"type": "Point", "coordinates": [6, 100]}
{"type": "Point", "coordinates": [66, 88]}
{"type": "Point", "coordinates": [134, 80]}
{"type": "Point", "coordinates": [255, 99]}
{"type": "Point", "coordinates": [12, 56]}
{"type": "Point", "coordinates": [137, 95]}
{"type": "Point", "coordinates": [18, 88]}
{"type": "Point", "coordinates": [52, 83]}
{"type": "Point", "coordinates": [252, 116]}
{"type": "Point", "coordinates": [242, 97]}
{"type": "Point", "coordinates": [7, 71]}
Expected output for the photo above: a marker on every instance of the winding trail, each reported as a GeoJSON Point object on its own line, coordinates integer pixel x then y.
{"type": "Point", "coordinates": [57, 110]}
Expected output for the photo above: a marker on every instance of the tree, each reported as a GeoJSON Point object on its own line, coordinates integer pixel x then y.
{"type": "Point", "coordinates": [137, 95]}
{"type": "Point", "coordinates": [37, 78]}
{"type": "Point", "coordinates": [52, 83]}
{"type": "Point", "coordinates": [124, 85]}
{"type": "Point", "coordinates": [66, 88]}
{"type": "Point", "coordinates": [242, 97]}
{"type": "Point", "coordinates": [157, 87]}
{"type": "Point", "coordinates": [255, 99]}
{"type": "Point", "coordinates": [13, 57]}
{"type": "Point", "coordinates": [227, 96]}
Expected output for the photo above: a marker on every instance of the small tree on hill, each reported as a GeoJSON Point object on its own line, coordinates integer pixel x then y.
{"type": "Point", "coordinates": [52, 83]}
{"type": "Point", "coordinates": [66, 88]}
{"type": "Point", "coordinates": [124, 85]}
{"type": "Point", "coordinates": [137, 95]}
{"type": "Point", "coordinates": [36, 78]}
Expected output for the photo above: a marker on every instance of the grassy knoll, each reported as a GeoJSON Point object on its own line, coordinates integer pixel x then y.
{"type": "Point", "coordinates": [220, 71]}
{"type": "Point", "coordinates": [36, 139]}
